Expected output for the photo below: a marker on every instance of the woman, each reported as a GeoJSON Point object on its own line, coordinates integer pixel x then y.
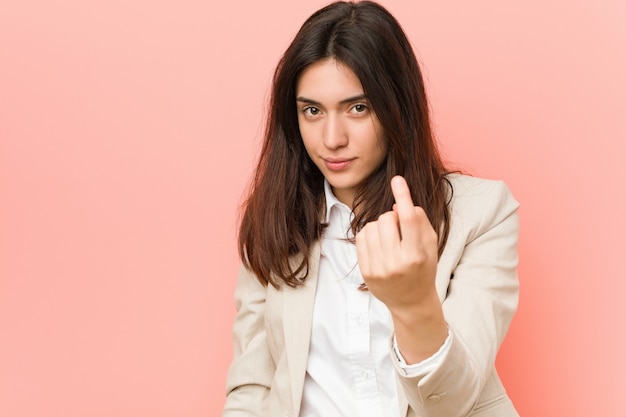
{"type": "Point", "coordinates": [374, 282]}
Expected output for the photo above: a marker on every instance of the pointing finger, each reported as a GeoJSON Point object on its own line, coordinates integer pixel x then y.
{"type": "Point", "coordinates": [402, 195]}
{"type": "Point", "coordinates": [405, 209]}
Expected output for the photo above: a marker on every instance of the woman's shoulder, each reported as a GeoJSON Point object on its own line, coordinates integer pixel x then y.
{"type": "Point", "coordinates": [467, 187]}
{"type": "Point", "coordinates": [464, 184]}
{"type": "Point", "coordinates": [480, 199]}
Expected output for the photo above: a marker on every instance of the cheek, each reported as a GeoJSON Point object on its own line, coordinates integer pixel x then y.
{"type": "Point", "coordinates": [374, 141]}
{"type": "Point", "coordinates": [369, 130]}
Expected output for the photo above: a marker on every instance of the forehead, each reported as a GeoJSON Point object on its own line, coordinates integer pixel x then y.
{"type": "Point", "coordinates": [330, 79]}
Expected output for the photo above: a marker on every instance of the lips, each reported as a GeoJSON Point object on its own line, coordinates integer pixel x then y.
{"type": "Point", "coordinates": [337, 164]}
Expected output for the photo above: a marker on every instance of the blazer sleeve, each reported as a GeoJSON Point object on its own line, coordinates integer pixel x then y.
{"type": "Point", "coordinates": [252, 369]}
{"type": "Point", "coordinates": [479, 302]}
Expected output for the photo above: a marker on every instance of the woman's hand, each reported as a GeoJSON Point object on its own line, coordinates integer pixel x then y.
{"type": "Point", "coordinates": [398, 252]}
{"type": "Point", "coordinates": [398, 260]}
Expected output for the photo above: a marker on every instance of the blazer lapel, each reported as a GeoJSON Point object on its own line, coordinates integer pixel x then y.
{"type": "Point", "coordinates": [298, 306]}
{"type": "Point", "coordinates": [403, 401]}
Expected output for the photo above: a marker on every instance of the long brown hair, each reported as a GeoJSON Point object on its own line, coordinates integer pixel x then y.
{"type": "Point", "coordinates": [282, 213]}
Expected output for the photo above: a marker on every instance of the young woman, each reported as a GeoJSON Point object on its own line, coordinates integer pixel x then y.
{"type": "Point", "coordinates": [374, 282]}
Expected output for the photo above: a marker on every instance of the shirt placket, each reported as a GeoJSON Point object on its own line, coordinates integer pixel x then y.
{"type": "Point", "coordinates": [362, 364]}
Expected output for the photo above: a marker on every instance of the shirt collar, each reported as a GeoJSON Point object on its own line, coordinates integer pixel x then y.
{"type": "Point", "coordinates": [331, 201]}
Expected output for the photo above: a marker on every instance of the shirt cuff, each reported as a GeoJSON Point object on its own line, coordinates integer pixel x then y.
{"type": "Point", "coordinates": [425, 366]}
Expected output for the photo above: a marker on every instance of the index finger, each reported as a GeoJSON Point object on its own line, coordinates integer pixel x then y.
{"type": "Point", "coordinates": [402, 196]}
{"type": "Point", "coordinates": [407, 219]}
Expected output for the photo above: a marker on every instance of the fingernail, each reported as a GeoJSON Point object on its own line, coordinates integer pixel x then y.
{"type": "Point", "coordinates": [397, 179]}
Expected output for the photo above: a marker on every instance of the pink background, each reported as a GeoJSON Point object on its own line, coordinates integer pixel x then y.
{"type": "Point", "coordinates": [128, 130]}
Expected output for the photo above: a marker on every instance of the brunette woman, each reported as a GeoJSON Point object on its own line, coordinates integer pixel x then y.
{"type": "Point", "coordinates": [374, 281]}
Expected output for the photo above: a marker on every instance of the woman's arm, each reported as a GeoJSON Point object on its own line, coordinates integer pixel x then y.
{"type": "Point", "coordinates": [252, 369]}
{"type": "Point", "coordinates": [480, 302]}
{"type": "Point", "coordinates": [398, 259]}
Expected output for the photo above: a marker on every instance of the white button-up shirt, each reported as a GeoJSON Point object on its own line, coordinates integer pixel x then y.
{"type": "Point", "coordinates": [349, 369]}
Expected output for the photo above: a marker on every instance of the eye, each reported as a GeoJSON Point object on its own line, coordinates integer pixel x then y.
{"type": "Point", "coordinates": [311, 111]}
{"type": "Point", "coordinates": [359, 108]}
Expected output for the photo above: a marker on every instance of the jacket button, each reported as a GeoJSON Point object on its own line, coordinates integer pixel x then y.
{"type": "Point", "coordinates": [434, 397]}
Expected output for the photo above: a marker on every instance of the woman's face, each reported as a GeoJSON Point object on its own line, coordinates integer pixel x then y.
{"type": "Point", "coordinates": [341, 133]}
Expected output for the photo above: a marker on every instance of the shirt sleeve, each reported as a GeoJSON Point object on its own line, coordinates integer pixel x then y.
{"type": "Point", "coordinates": [427, 365]}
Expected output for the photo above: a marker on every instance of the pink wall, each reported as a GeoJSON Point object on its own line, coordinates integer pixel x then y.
{"type": "Point", "coordinates": [127, 133]}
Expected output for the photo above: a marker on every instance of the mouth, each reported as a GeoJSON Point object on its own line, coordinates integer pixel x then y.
{"type": "Point", "coordinates": [337, 164]}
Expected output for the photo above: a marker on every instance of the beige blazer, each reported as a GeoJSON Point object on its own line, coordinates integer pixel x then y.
{"type": "Point", "coordinates": [476, 282]}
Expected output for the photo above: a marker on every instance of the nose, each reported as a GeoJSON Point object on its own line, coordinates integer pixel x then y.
{"type": "Point", "coordinates": [335, 133]}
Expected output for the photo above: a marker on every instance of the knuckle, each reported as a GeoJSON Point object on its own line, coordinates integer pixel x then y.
{"type": "Point", "coordinates": [360, 237]}
{"type": "Point", "coordinates": [422, 257]}
{"type": "Point", "coordinates": [387, 217]}
{"type": "Point", "coordinates": [418, 259]}
{"type": "Point", "coordinates": [432, 237]}
{"type": "Point", "coordinates": [419, 214]}
{"type": "Point", "coordinates": [364, 229]}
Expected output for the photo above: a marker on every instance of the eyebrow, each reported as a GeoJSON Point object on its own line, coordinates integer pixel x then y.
{"type": "Point", "coordinates": [344, 101]}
